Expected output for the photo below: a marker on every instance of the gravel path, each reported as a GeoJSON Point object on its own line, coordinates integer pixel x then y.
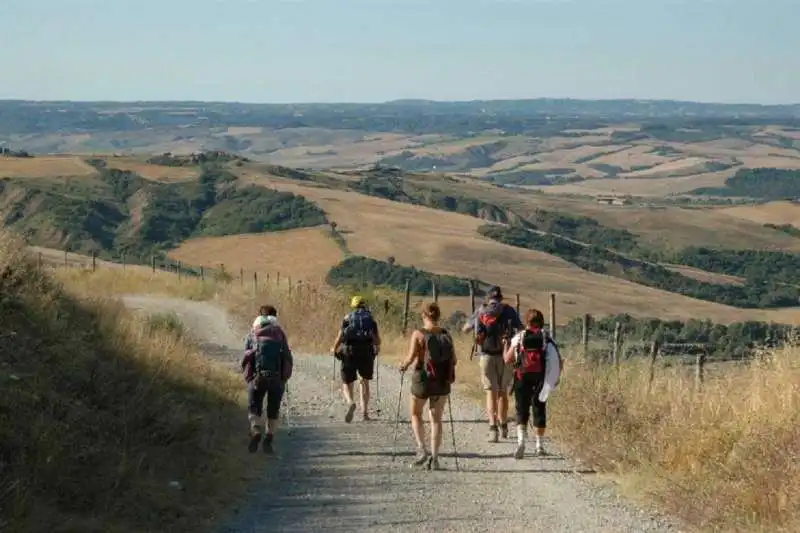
{"type": "Point", "coordinates": [330, 476]}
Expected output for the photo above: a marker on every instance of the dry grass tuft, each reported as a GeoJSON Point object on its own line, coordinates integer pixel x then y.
{"type": "Point", "coordinates": [101, 410]}
{"type": "Point", "coordinates": [724, 459]}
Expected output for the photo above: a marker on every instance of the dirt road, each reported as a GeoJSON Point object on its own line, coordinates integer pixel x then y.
{"type": "Point", "coordinates": [336, 477]}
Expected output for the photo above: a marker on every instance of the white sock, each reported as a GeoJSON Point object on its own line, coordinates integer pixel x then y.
{"type": "Point", "coordinates": [538, 441]}
{"type": "Point", "coordinates": [521, 434]}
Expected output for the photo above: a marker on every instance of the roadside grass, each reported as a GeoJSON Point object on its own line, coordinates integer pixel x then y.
{"type": "Point", "coordinates": [722, 459]}
{"type": "Point", "coordinates": [107, 423]}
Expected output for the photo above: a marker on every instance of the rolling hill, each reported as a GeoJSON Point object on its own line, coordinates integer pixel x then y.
{"type": "Point", "coordinates": [269, 218]}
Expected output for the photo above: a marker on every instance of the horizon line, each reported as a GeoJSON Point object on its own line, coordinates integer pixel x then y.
{"type": "Point", "coordinates": [409, 100]}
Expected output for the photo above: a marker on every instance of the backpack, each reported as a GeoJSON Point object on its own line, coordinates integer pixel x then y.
{"type": "Point", "coordinates": [439, 358]}
{"type": "Point", "coordinates": [490, 331]}
{"type": "Point", "coordinates": [360, 326]}
{"type": "Point", "coordinates": [268, 357]}
{"type": "Point", "coordinates": [532, 352]}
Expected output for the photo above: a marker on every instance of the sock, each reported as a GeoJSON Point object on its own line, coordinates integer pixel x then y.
{"type": "Point", "coordinates": [538, 441]}
{"type": "Point", "coordinates": [521, 433]}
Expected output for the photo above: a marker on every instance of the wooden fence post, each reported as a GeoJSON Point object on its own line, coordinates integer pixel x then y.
{"type": "Point", "coordinates": [700, 364]}
{"type": "Point", "coordinates": [178, 269]}
{"type": "Point", "coordinates": [585, 334]}
{"type": "Point", "coordinates": [94, 260]}
{"type": "Point", "coordinates": [617, 344]}
{"type": "Point", "coordinates": [202, 273]}
{"type": "Point", "coordinates": [267, 279]}
{"type": "Point", "coordinates": [654, 347]}
{"type": "Point", "coordinates": [153, 262]}
{"type": "Point", "coordinates": [516, 302]}
{"type": "Point", "coordinates": [406, 303]}
{"type": "Point", "coordinates": [553, 315]}
{"type": "Point", "coordinates": [472, 297]}
{"type": "Point", "coordinates": [278, 279]}
{"type": "Point", "coordinates": [66, 259]}
{"type": "Point", "coordinates": [255, 282]}
{"type": "Point", "coordinates": [241, 276]}
{"type": "Point", "coordinates": [386, 306]}
{"type": "Point", "coordinates": [435, 290]}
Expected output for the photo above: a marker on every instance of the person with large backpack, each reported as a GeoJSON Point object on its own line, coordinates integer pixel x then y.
{"type": "Point", "coordinates": [357, 346]}
{"type": "Point", "coordinates": [432, 352]}
{"type": "Point", "coordinates": [267, 365]}
{"type": "Point", "coordinates": [494, 323]}
{"type": "Point", "coordinates": [537, 369]}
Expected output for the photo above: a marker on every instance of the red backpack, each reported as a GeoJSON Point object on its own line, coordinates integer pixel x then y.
{"type": "Point", "coordinates": [531, 352]}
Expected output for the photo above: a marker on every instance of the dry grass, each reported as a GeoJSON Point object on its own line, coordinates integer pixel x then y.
{"type": "Point", "coordinates": [724, 459]}
{"type": "Point", "coordinates": [154, 172]}
{"type": "Point", "coordinates": [303, 254]}
{"type": "Point", "coordinates": [705, 276]}
{"type": "Point", "coordinates": [43, 167]}
{"type": "Point", "coordinates": [641, 186]}
{"type": "Point", "coordinates": [782, 212]}
{"type": "Point", "coordinates": [102, 411]}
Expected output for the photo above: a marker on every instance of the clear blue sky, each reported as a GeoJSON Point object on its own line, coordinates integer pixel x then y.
{"type": "Point", "coordinates": [376, 50]}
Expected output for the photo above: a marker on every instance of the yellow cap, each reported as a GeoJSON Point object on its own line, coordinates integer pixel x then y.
{"type": "Point", "coordinates": [356, 301]}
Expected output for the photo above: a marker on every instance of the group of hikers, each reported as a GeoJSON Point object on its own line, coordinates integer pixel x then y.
{"type": "Point", "coordinates": [515, 355]}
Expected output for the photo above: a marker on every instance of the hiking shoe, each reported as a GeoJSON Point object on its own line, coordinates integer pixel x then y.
{"type": "Point", "coordinates": [520, 451]}
{"type": "Point", "coordinates": [504, 431]}
{"type": "Point", "coordinates": [422, 457]}
{"type": "Point", "coordinates": [433, 464]}
{"type": "Point", "coordinates": [267, 447]}
{"type": "Point", "coordinates": [255, 439]}
{"type": "Point", "coordinates": [493, 435]}
{"type": "Point", "coordinates": [540, 451]}
{"type": "Point", "coordinates": [366, 417]}
{"type": "Point", "coordinates": [350, 412]}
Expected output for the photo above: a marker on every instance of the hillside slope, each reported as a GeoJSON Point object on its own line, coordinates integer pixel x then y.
{"type": "Point", "coordinates": [100, 413]}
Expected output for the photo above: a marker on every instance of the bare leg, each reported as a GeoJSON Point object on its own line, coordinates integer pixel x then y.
{"type": "Point", "coordinates": [491, 407]}
{"type": "Point", "coordinates": [502, 407]}
{"type": "Point", "coordinates": [435, 412]}
{"type": "Point", "coordinates": [364, 396]}
{"type": "Point", "coordinates": [416, 426]}
{"type": "Point", "coordinates": [348, 397]}
{"type": "Point", "coordinates": [347, 388]}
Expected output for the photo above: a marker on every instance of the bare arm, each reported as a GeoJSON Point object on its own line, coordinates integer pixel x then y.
{"type": "Point", "coordinates": [337, 342]}
{"type": "Point", "coordinates": [412, 351]}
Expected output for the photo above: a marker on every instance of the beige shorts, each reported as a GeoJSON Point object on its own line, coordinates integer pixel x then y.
{"type": "Point", "coordinates": [496, 375]}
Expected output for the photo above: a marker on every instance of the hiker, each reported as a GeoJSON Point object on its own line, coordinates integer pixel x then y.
{"type": "Point", "coordinates": [267, 365]}
{"type": "Point", "coordinates": [494, 324]}
{"type": "Point", "coordinates": [357, 345]}
{"type": "Point", "coordinates": [536, 360]}
{"type": "Point", "coordinates": [431, 351]}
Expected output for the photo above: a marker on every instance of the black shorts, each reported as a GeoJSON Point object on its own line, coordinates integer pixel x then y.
{"type": "Point", "coordinates": [526, 397]}
{"type": "Point", "coordinates": [273, 392]}
{"type": "Point", "coordinates": [358, 362]}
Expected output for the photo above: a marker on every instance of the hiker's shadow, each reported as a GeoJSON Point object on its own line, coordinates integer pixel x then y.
{"type": "Point", "coordinates": [461, 455]}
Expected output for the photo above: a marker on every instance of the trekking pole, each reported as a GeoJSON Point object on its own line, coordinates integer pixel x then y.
{"type": "Point", "coordinates": [377, 386]}
{"type": "Point", "coordinates": [397, 416]}
{"type": "Point", "coordinates": [286, 406]}
{"type": "Point", "coordinates": [453, 431]}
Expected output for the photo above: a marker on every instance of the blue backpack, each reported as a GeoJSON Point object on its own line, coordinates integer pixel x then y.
{"type": "Point", "coordinates": [360, 326]}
